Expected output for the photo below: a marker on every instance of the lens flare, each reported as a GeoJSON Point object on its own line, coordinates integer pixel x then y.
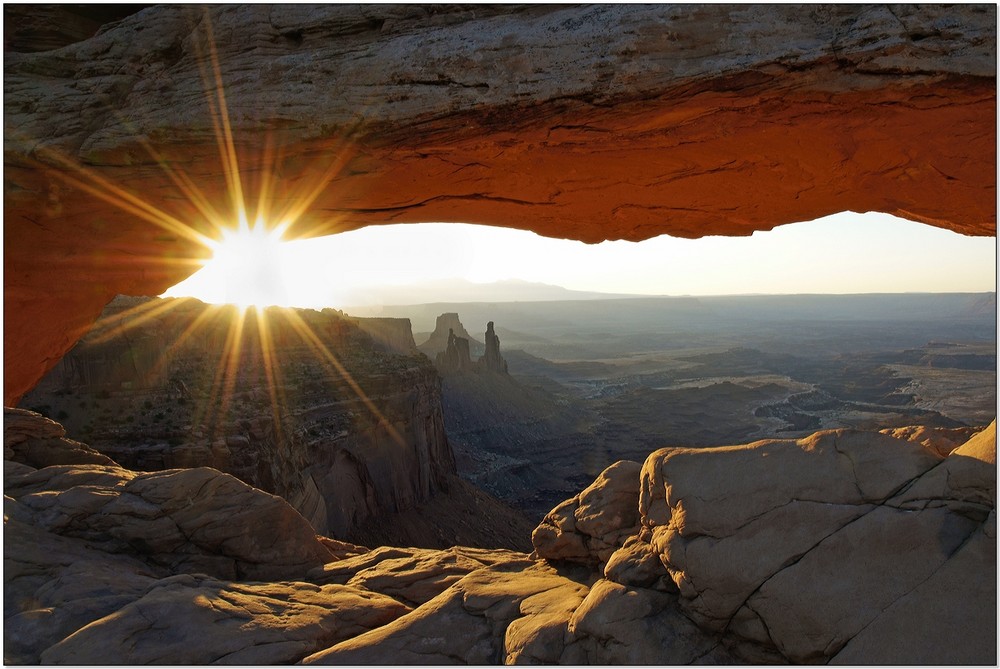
{"type": "Point", "coordinates": [246, 258]}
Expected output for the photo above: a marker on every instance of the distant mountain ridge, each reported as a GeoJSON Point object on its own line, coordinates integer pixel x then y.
{"type": "Point", "coordinates": [462, 290]}
{"type": "Point", "coordinates": [640, 308]}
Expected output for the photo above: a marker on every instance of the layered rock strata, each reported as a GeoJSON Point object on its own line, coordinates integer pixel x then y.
{"type": "Point", "coordinates": [589, 122]}
{"type": "Point", "coordinates": [844, 547]}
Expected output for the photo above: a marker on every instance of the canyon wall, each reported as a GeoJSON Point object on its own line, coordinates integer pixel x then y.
{"type": "Point", "coordinates": [588, 122]}
{"type": "Point", "coordinates": [303, 404]}
{"type": "Point", "coordinates": [393, 334]}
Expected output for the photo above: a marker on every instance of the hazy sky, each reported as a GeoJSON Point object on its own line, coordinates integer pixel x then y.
{"type": "Point", "coordinates": [844, 253]}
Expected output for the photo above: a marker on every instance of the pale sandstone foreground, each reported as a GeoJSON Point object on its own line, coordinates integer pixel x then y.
{"type": "Point", "coordinates": [843, 547]}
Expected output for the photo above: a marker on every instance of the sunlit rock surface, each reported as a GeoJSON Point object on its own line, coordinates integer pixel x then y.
{"type": "Point", "coordinates": [593, 122]}
{"type": "Point", "coordinates": [843, 547]}
{"type": "Point", "coordinates": [591, 526]}
{"type": "Point", "coordinates": [807, 547]}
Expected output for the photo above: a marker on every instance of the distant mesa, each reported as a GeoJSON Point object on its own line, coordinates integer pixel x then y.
{"type": "Point", "coordinates": [447, 324]}
{"type": "Point", "coordinates": [456, 355]}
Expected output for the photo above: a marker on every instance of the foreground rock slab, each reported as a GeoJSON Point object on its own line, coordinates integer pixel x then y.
{"type": "Point", "coordinates": [843, 547]}
{"type": "Point", "coordinates": [193, 619]}
{"type": "Point", "coordinates": [805, 547]}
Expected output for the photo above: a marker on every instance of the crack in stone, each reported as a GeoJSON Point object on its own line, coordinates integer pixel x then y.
{"type": "Point", "coordinates": [885, 608]}
{"type": "Point", "coordinates": [440, 198]}
{"type": "Point", "coordinates": [875, 506]}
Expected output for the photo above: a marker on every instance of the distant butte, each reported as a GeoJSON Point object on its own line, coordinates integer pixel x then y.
{"type": "Point", "coordinates": [592, 123]}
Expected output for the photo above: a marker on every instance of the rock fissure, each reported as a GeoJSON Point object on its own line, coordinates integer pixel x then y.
{"type": "Point", "coordinates": [791, 562]}
{"type": "Point", "coordinates": [874, 620]}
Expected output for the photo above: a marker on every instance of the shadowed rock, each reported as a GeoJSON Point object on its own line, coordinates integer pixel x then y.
{"type": "Point", "coordinates": [591, 526]}
{"type": "Point", "coordinates": [31, 439]}
{"type": "Point", "coordinates": [492, 361]}
{"type": "Point", "coordinates": [184, 520]}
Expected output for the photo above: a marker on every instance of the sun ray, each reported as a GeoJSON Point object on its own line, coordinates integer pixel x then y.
{"type": "Point", "coordinates": [207, 313]}
{"type": "Point", "coordinates": [302, 201]}
{"type": "Point", "coordinates": [220, 394]}
{"type": "Point", "coordinates": [184, 184]}
{"type": "Point", "coordinates": [272, 371]}
{"type": "Point", "coordinates": [116, 325]}
{"type": "Point", "coordinates": [327, 356]}
{"type": "Point", "coordinates": [264, 194]}
{"type": "Point", "coordinates": [115, 195]}
{"type": "Point", "coordinates": [219, 113]}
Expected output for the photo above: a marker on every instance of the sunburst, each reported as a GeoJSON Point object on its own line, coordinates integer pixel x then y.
{"type": "Point", "coordinates": [238, 246]}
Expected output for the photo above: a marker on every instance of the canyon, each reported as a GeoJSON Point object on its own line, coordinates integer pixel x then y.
{"type": "Point", "coordinates": [276, 525]}
{"type": "Point", "coordinates": [339, 416]}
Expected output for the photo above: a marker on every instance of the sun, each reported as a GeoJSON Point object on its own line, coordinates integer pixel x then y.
{"type": "Point", "coordinates": [246, 268]}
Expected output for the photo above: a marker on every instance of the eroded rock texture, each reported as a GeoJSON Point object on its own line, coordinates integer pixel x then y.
{"type": "Point", "coordinates": [825, 549]}
{"type": "Point", "coordinates": [844, 547]}
{"type": "Point", "coordinates": [593, 122]}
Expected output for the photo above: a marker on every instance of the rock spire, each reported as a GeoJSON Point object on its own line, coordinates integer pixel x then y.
{"type": "Point", "coordinates": [492, 360]}
{"type": "Point", "coordinates": [455, 357]}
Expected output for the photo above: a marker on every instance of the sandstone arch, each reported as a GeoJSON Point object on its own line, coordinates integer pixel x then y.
{"type": "Point", "coordinates": [593, 123]}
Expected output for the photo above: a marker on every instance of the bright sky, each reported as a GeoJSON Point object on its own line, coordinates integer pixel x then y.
{"type": "Point", "coordinates": [844, 253]}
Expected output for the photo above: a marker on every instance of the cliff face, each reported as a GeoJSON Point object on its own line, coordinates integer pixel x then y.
{"type": "Point", "coordinates": [587, 122]}
{"type": "Point", "coordinates": [393, 334]}
{"type": "Point", "coordinates": [302, 404]}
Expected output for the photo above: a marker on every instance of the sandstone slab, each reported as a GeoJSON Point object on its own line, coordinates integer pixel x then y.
{"type": "Point", "coordinates": [464, 624]}
{"type": "Point", "coordinates": [185, 520]}
{"type": "Point", "coordinates": [30, 438]}
{"type": "Point", "coordinates": [412, 575]}
{"type": "Point", "coordinates": [800, 550]}
{"type": "Point", "coordinates": [194, 619]}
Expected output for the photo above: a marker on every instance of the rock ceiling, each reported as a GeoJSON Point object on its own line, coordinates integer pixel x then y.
{"type": "Point", "coordinates": [593, 123]}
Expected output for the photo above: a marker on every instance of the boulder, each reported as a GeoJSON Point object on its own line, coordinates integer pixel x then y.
{"type": "Point", "coordinates": [32, 439]}
{"type": "Point", "coordinates": [620, 625]}
{"type": "Point", "coordinates": [589, 527]}
{"type": "Point", "coordinates": [803, 547]}
{"type": "Point", "coordinates": [185, 520]}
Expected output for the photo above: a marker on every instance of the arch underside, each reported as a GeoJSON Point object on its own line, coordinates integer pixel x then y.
{"type": "Point", "coordinates": [645, 121]}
